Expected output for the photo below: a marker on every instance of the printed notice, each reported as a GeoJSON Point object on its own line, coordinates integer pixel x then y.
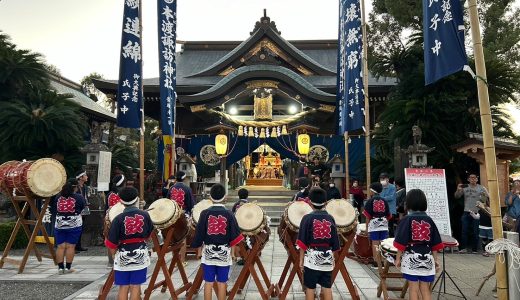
{"type": "Point", "coordinates": [103, 180]}
{"type": "Point", "coordinates": [433, 183]}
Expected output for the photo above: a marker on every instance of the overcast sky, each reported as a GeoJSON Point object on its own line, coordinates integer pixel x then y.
{"type": "Point", "coordinates": [80, 37]}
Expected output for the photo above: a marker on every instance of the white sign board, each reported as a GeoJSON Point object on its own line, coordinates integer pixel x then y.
{"type": "Point", "coordinates": [433, 183]}
{"type": "Point", "coordinates": [103, 179]}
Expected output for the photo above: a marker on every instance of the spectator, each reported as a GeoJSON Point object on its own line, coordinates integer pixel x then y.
{"type": "Point", "coordinates": [400, 197]}
{"type": "Point", "coordinates": [513, 203]}
{"type": "Point", "coordinates": [358, 194]}
{"type": "Point", "coordinates": [332, 191]}
{"type": "Point", "coordinates": [388, 194]}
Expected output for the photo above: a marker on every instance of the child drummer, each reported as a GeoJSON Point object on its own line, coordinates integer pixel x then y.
{"type": "Point", "coordinates": [68, 226]}
{"type": "Point", "coordinates": [217, 232]}
{"type": "Point", "coordinates": [127, 238]}
{"type": "Point", "coordinates": [418, 242]}
{"type": "Point", "coordinates": [317, 240]}
{"type": "Point", "coordinates": [377, 213]}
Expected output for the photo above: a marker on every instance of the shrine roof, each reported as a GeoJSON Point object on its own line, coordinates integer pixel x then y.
{"type": "Point", "coordinates": [476, 139]}
{"type": "Point", "coordinates": [267, 71]}
{"type": "Point", "coordinates": [65, 86]}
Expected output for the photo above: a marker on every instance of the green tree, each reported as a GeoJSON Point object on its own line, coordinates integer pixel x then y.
{"type": "Point", "coordinates": [47, 124]}
{"type": "Point", "coordinates": [20, 70]}
{"type": "Point", "coordinates": [447, 109]}
{"type": "Point", "coordinates": [36, 121]}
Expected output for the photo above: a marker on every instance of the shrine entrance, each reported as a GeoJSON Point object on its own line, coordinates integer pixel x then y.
{"type": "Point", "coordinates": [264, 167]}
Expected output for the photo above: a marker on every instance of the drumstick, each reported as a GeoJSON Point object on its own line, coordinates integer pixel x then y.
{"type": "Point", "coordinates": [151, 208]}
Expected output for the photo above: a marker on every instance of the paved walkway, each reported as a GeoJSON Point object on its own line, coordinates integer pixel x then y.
{"type": "Point", "coordinates": [466, 269]}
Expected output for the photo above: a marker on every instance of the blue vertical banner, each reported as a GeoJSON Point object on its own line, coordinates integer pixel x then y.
{"type": "Point", "coordinates": [130, 88]}
{"type": "Point", "coordinates": [167, 18]}
{"type": "Point", "coordinates": [444, 51]}
{"type": "Point", "coordinates": [350, 94]}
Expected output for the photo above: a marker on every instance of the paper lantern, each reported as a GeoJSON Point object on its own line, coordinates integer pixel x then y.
{"type": "Point", "coordinates": [304, 143]}
{"type": "Point", "coordinates": [284, 130]}
{"type": "Point", "coordinates": [273, 132]}
{"type": "Point", "coordinates": [240, 130]}
{"type": "Point", "coordinates": [221, 144]}
{"type": "Point", "coordinates": [262, 133]}
{"type": "Point", "coordinates": [251, 133]}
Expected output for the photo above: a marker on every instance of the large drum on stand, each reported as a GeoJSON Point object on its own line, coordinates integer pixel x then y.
{"type": "Point", "coordinates": [111, 214]}
{"type": "Point", "coordinates": [388, 251]}
{"type": "Point", "coordinates": [345, 215]}
{"type": "Point", "coordinates": [291, 219]}
{"type": "Point", "coordinates": [252, 221]}
{"type": "Point", "coordinates": [167, 215]}
{"type": "Point", "coordinates": [40, 178]}
{"type": "Point", "coordinates": [195, 216]}
{"type": "Point", "coordinates": [362, 247]}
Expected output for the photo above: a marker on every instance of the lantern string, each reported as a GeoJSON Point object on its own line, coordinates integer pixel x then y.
{"type": "Point", "coordinates": [263, 123]}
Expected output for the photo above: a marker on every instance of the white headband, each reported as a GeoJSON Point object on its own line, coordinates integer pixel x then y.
{"type": "Point", "coordinates": [81, 174]}
{"type": "Point", "coordinates": [317, 204]}
{"type": "Point", "coordinates": [130, 202]}
{"type": "Point", "coordinates": [218, 200]}
{"type": "Point", "coordinates": [120, 181]}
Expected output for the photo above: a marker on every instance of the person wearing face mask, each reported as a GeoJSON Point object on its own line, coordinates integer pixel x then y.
{"type": "Point", "coordinates": [332, 191]}
{"type": "Point", "coordinates": [389, 194]}
{"type": "Point", "coordinates": [358, 194]}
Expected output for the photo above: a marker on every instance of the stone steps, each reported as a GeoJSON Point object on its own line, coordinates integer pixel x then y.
{"type": "Point", "coordinates": [272, 199]}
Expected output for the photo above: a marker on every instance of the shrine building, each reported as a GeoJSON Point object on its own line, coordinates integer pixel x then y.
{"type": "Point", "coordinates": [261, 93]}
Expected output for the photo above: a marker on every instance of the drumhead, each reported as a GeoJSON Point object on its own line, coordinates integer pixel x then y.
{"type": "Point", "coordinates": [162, 210]}
{"type": "Point", "coordinates": [343, 212]}
{"type": "Point", "coordinates": [199, 207]}
{"type": "Point", "coordinates": [249, 216]}
{"type": "Point", "coordinates": [115, 210]}
{"type": "Point", "coordinates": [362, 227]}
{"type": "Point", "coordinates": [296, 211]}
{"type": "Point", "coordinates": [46, 177]}
{"type": "Point", "coordinates": [388, 245]}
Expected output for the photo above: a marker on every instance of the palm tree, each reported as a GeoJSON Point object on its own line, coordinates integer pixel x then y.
{"type": "Point", "coordinates": [20, 70]}
{"type": "Point", "coordinates": [43, 125]}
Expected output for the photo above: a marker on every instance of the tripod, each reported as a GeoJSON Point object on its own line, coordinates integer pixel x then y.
{"type": "Point", "coordinates": [444, 273]}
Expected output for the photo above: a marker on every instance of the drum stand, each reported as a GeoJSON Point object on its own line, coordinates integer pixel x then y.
{"type": "Point", "coordinates": [253, 257]}
{"type": "Point", "coordinates": [167, 283]}
{"type": "Point", "coordinates": [384, 274]}
{"type": "Point", "coordinates": [293, 258]}
{"type": "Point", "coordinates": [340, 264]}
{"type": "Point", "coordinates": [23, 221]}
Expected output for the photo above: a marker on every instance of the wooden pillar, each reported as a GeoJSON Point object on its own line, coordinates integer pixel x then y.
{"type": "Point", "coordinates": [223, 171]}
{"type": "Point", "coordinates": [489, 146]}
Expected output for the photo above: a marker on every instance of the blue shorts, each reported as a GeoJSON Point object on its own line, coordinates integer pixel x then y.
{"type": "Point", "coordinates": [210, 272]}
{"type": "Point", "coordinates": [416, 278]}
{"type": "Point", "coordinates": [378, 235]}
{"type": "Point", "coordinates": [130, 277]}
{"type": "Point", "coordinates": [70, 236]}
{"type": "Point", "coordinates": [486, 233]}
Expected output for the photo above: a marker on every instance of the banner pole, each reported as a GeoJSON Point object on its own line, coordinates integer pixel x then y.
{"type": "Point", "coordinates": [489, 146]}
{"type": "Point", "coordinates": [141, 140]}
{"type": "Point", "coordinates": [367, 103]}
{"type": "Point", "coordinates": [347, 177]}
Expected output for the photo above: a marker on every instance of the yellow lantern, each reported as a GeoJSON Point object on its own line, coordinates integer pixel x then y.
{"type": "Point", "coordinates": [284, 130]}
{"type": "Point", "coordinates": [273, 132]}
{"type": "Point", "coordinates": [240, 130]}
{"type": "Point", "coordinates": [304, 143]}
{"type": "Point", "coordinates": [262, 133]}
{"type": "Point", "coordinates": [251, 133]}
{"type": "Point", "coordinates": [221, 144]}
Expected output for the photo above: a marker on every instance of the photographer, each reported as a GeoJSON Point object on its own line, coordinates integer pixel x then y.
{"type": "Point", "coordinates": [472, 193]}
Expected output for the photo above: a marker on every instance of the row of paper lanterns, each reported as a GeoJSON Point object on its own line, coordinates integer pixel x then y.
{"type": "Point", "coordinates": [263, 132]}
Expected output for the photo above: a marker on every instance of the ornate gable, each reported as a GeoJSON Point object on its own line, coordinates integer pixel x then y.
{"type": "Point", "coordinates": [265, 46]}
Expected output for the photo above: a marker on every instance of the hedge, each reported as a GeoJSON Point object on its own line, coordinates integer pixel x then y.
{"type": "Point", "coordinates": [5, 233]}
